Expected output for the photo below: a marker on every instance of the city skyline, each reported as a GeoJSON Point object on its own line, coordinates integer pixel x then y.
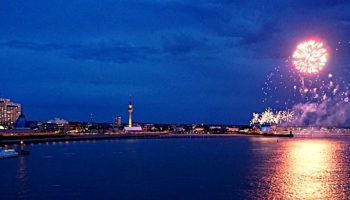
{"type": "Point", "coordinates": [175, 99]}
{"type": "Point", "coordinates": [183, 62]}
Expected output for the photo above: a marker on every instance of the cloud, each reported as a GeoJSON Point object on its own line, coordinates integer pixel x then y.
{"type": "Point", "coordinates": [182, 44]}
{"type": "Point", "coordinates": [218, 48]}
{"type": "Point", "coordinates": [113, 53]}
{"type": "Point", "coordinates": [103, 51]}
{"type": "Point", "coordinates": [247, 21]}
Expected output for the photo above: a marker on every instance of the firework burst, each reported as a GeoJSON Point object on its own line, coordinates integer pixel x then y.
{"type": "Point", "coordinates": [310, 57]}
{"type": "Point", "coordinates": [270, 117]}
{"type": "Point", "coordinates": [323, 98]}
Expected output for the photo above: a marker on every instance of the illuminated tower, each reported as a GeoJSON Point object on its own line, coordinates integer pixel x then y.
{"type": "Point", "coordinates": [130, 109]}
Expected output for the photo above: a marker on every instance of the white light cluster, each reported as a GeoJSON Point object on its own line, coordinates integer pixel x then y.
{"type": "Point", "coordinates": [270, 117]}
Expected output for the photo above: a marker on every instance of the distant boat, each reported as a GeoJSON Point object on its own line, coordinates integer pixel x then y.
{"type": "Point", "coordinates": [7, 153]}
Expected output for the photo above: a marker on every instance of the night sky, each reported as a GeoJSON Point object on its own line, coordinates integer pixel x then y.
{"type": "Point", "coordinates": [183, 61]}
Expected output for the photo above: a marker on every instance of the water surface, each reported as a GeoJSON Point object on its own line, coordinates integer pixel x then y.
{"type": "Point", "coordinates": [187, 168]}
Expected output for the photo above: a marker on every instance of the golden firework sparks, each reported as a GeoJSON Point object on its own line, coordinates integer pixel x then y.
{"type": "Point", "coordinates": [310, 57]}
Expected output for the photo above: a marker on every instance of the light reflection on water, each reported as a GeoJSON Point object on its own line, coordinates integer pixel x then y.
{"type": "Point", "coordinates": [22, 178]}
{"type": "Point", "coordinates": [304, 169]}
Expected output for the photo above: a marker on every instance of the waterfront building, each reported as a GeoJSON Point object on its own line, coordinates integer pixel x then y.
{"type": "Point", "coordinates": [201, 128]}
{"type": "Point", "coordinates": [21, 122]}
{"type": "Point", "coordinates": [133, 129]}
{"type": "Point", "coordinates": [179, 129]}
{"type": "Point", "coordinates": [21, 126]}
{"type": "Point", "coordinates": [56, 125]}
{"type": "Point", "coordinates": [118, 121]}
{"type": "Point", "coordinates": [198, 130]}
{"type": "Point", "coordinates": [9, 112]}
{"type": "Point", "coordinates": [232, 129]}
{"type": "Point", "coordinates": [73, 127]}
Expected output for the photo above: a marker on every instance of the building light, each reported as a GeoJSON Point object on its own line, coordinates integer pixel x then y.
{"type": "Point", "coordinates": [9, 112]}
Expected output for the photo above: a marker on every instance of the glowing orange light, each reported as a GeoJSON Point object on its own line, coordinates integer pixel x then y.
{"type": "Point", "coordinates": [310, 57]}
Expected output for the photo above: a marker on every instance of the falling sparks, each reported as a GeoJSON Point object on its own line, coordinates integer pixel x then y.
{"type": "Point", "coordinates": [310, 57]}
{"type": "Point", "coordinates": [289, 88]}
{"type": "Point", "coordinates": [286, 86]}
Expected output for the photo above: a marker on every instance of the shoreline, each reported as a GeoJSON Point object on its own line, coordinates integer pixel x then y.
{"type": "Point", "coordinates": [44, 138]}
{"type": "Point", "coordinates": [29, 139]}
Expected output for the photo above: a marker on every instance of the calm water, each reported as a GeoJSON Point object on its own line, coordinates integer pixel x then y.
{"type": "Point", "coordinates": [201, 168]}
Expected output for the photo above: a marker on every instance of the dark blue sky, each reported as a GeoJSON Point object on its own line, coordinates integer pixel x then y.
{"type": "Point", "coordinates": [184, 61]}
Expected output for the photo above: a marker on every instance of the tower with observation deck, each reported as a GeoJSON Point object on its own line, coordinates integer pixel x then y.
{"type": "Point", "coordinates": [130, 110]}
{"type": "Point", "coordinates": [130, 127]}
